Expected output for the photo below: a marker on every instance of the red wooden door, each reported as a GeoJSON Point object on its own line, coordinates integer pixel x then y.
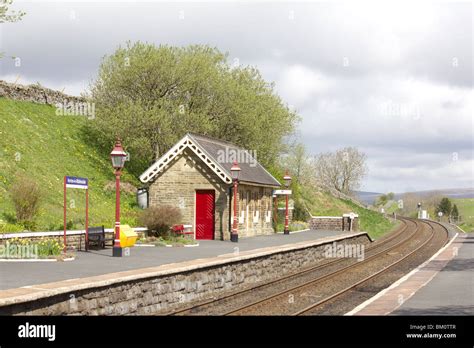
{"type": "Point", "coordinates": [205, 214]}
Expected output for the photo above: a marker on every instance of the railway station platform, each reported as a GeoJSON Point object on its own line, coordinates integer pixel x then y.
{"type": "Point", "coordinates": [156, 279]}
{"type": "Point", "coordinates": [95, 263]}
{"type": "Point", "coordinates": [444, 285]}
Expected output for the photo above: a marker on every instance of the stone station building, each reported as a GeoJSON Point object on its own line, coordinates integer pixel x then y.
{"type": "Point", "coordinates": [194, 175]}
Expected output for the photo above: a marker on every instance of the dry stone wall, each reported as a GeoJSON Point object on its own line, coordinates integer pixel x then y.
{"type": "Point", "coordinates": [36, 94]}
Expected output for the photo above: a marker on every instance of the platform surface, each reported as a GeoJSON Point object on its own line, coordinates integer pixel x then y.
{"type": "Point", "coordinates": [451, 291]}
{"type": "Point", "coordinates": [442, 286]}
{"type": "Point", "coordinates": [94, 263]}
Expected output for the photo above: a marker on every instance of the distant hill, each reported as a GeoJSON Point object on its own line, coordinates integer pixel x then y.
{"type": "Point", "coordinates": [451, 193]}
{"type": "Point", "coordinates": [370, 197]}
{"type": "Point", "coordinates": [367, 197]}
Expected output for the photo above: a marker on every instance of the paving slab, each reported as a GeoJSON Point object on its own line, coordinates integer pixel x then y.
{"type": "Point", "coordinates": [95, 263]}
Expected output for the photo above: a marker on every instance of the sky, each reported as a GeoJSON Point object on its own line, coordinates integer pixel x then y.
{"type": "Point", "coordinates": [394, 79]}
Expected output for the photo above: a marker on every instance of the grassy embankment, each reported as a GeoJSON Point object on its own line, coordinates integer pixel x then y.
{"type": "Point", "coordinates": [324, 204]}
{"type": "Point", "coordinates": [46, 147]}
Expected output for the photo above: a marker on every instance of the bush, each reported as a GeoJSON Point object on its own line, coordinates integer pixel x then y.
{"type": "Point", "coordinates": [25, 194]}
{"type": "Point", "coordinates": [299, 212]}
{"type": "Point", "coordinates": [159, 220]}
{"type": "Point", "coordinates": [49, 247]}
{"type": "Point", "coordinates": [10, 228]}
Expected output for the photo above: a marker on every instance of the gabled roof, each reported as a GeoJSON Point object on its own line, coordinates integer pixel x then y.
{"type": "Point", "coordinates": [216, 154]}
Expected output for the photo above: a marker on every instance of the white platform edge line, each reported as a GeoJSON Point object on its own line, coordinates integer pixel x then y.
{"type": "Point", "coordinates": [400, 281]}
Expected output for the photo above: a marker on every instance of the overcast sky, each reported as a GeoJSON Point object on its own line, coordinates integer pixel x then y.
{"type": "Point", "coordinates": [394, 79]}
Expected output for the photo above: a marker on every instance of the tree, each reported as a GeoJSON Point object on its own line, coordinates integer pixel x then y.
{"type": "Point", "coordinates": [343, 170]}
{"type": "Point", "coordinates": [455, 212]}
{"type": "Point", "coordinates": [445, 206]}
{"type": "Point", "coordinates": [384, 199]}
{"type": "Point", "coordinates": [152, 95]}
{"type": "Point", "coordinates": [6, 16]}
{"type": "Point", "coordinates": [381, 200]}
{"type": "Point", "coordinates": [298, 162]}
{"type": "Point", "coordinates": [26, 196]}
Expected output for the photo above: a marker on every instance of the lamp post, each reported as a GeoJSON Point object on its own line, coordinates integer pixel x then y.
{"type": "Point", "coordinates": [287, 179]}
{"type": "Point", "coordinates": [118, 157]}
{"type": "Point", "coordinates": [235, 171]}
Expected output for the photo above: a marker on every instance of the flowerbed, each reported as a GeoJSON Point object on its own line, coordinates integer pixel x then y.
{"type": "Point", "coordinates": [24, 248]}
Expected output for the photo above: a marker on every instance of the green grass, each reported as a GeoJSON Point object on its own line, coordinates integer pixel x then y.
{"type": "Point", "coordinates": [35, 141]}
{"type": "Point", "coordinates": [466, 210]}
{"type": "Point", "coordinates": [324, 204]}
{"type": "Point", "coordinates": [372, 222]}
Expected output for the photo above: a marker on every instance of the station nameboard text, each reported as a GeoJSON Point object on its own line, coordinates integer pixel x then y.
{"type": "Point", "coordinates": [75, 182]}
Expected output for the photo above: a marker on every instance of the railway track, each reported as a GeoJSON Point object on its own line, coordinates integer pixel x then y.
{"type": "Point", "coordinates": [306, 291]}
{"type": "Point", "coordinates": [197, 308]}
{"type": "Point", "coordinates": [313, 307]}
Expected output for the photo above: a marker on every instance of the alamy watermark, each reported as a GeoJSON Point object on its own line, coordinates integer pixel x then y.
{"type": "Point", "coordinates": [336, 250]}
{"type": "Point", "coordinates": [229, 155]}
{"type": "Point", "coordinates": [406, 110]}
{"type": "Point", "coordinates": [76, 109]}
{"type": "Point", "coordinates": [18, 251]}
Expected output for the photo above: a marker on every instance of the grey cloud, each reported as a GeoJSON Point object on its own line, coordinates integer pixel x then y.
{"type": "Point", "coordinates": [63, 44]}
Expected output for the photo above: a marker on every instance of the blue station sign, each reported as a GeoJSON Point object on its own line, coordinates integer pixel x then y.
{"type": "Point", "coordinates": [75, 182]}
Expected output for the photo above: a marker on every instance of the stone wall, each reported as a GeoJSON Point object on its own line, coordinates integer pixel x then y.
{"type": "Point", "coordinates": [334, 223]}
{"type": "Point", "coordinates": [254, 203]}
{"type": "Point", "coordinates": [36, 94]}
{"type": "Point", "coordinates": [159, 294]}
{"type": "Point", "coordinates": [346, 223]}
{"type": "Point", "coordinates": [331, 223]}
{"type": "Point", "coordinates": [75, 239]}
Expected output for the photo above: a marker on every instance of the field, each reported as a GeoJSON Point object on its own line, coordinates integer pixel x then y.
{"type": "Point", "coordinates": [466, 210]}
{"type": "Point", "coordinates": [46, 147]}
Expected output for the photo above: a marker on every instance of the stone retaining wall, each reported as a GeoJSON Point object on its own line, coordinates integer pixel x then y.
{"type": "Point", "coordinates": [331, 223]}
{"type": "Point", "coordinates": [161, 293]}
{"type": "Point", "coordinates": [334, 223]}
{"type": "Point", "coordinates": [75, 239]}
